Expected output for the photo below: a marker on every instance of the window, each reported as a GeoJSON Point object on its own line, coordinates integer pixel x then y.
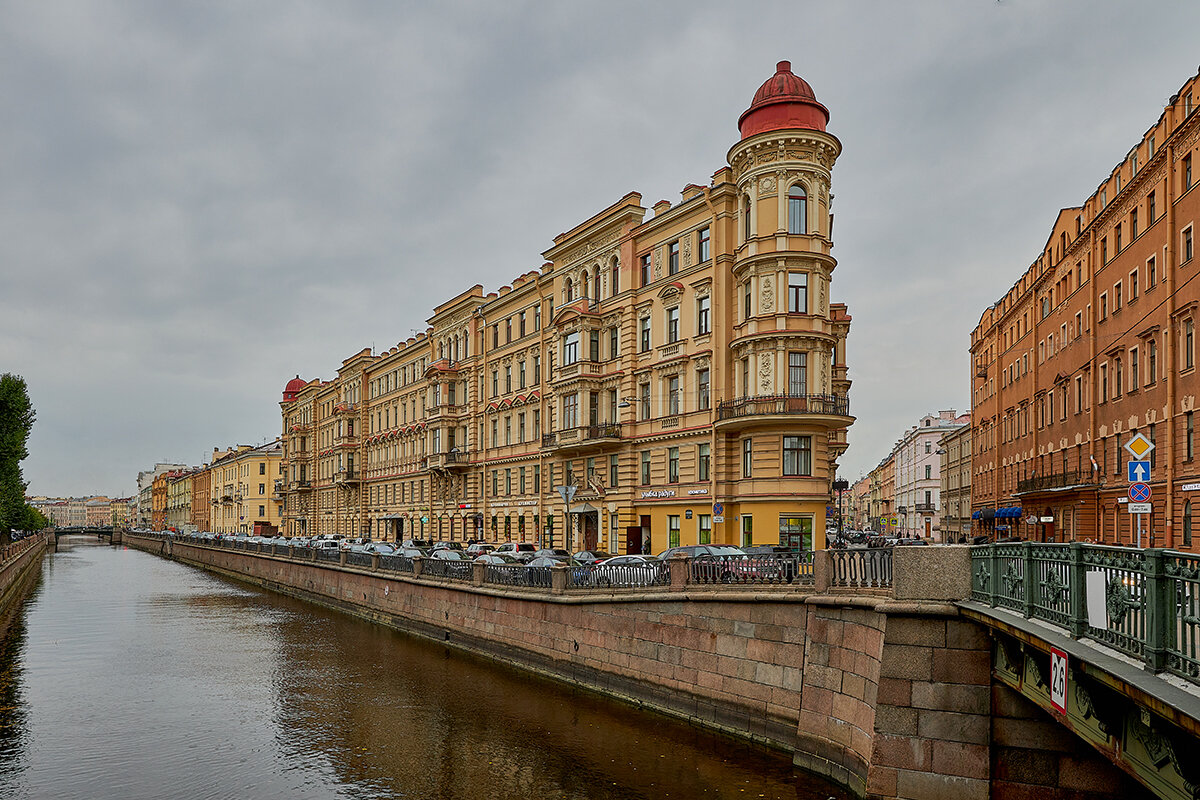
{"type": "Point", "coordinates": [537, 369]}
{"type": "Point", "coordinates": [928, 471]}
{"type": "Point", "coordinates": [798, 292]}
{"type": "Point", "coordinates": [703, 317]}
{"type": "Point", "coordinates": [1133, 223]}
{"type": "Point", "coordinates": [672, 465]}
{"type": "Point", "coordinates": [614, 349]}
{"type": "Point", "coordinates": [594, 345]}
{"type": "Point", "coordinates": [1118, 383]}
{"type": "Point", "coordinates": [746, 218]}
{"type": "Point", "coordinates": [702, 389]}
{"type": "Point", "coordinates": [705, 246]}
{"type": "Point", "coordinates": [746, 301]}
{"type": "Point", "coordinates": [644, 334]}
{"type": "Point", "coordinates": [508, 379]}
{"type": "Point", "coordinates": [672, 325]}
{"type": "Point", "coordinates": [645, 468]}
{"type": "Point", "coordinates": [508, 330]}
{"type": "Point", "coordinates": [673, 258]}
{"type": "Point", "coordinates": [1117, 235]}
{"type": "Point", "coordinates": [1151, 273]}
{"type": "Point", "coordinates": [1116, 297]}
{"type": "Point", "coordinates": [1133, 286]}
{"type": "Point", "coordinates": [1187, 245]}
{"type": "Point", "coordinates": [495, 383]}
{"type": "Point", "coordinates": [569, 291]}
{"type": "Point", "coordinates": [797, 455]}
{"type": "Point", "coordinates": [1189, 336]}
{"type": "Point", "coordinates": [1189, 438]}
{"type": "Point", "coordinates": [537, 317]}
{"type": "Point", "coordinates": [1104, 250]}
{"type": "Point", "coordinates": [672, 530]}
{"type": "Point", "coordinates": [1187, 523]}
{"type": "Point", "coordinates": [747, 449]}
{"type": "Point", "coordinates": [644, 269]}
{"type": "Point", "coordinates": [797, 210]}
{"type": "Point", "coordinates": [262, 469]}
{"type": "Point", "coordinates": [570, 348]}
{"type": "Point", "coordinates": [747, 530]}
{"type": "Point", "coordinates": [1134, 375]}
{"type": "Point", "coordinates": [797, 374]}
{"type": "Point", "coordinates": [704, 528]}
{"type": "Point", "coordinates": [521, 374]}
{"type": "Point", "coordinates": [702, 462]}
{"type": "Point", "coordinates": [644, 400]}
{"type": "Point", "coordinates": [1151, 207]}
{"type": "Point", "coordinates": [1103, 306]}
{"type": "Point", "coordinates": [613, 471]}
{"type": "Point", "coordinates": [570, 411]}
{"type": "Point", "coordinates": [1187, 172]}
{"type": "Point", "coordinates": [262, 511]}
{"type": "Point", "coordinates": [1151, 362]}
{"type": "Point", "coordinates": [615, 277]}
{"type": "Point", "coordinates": [1078, 394]}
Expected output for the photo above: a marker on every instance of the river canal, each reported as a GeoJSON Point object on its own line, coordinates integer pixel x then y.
{"type": "Point", "coordinates": [128, 676]}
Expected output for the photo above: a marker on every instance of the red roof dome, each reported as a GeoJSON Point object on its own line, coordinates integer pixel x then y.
{"type": "Point", "coordinates": [293, 388]}
{"type": "Point", "coordinates": [784, 101]}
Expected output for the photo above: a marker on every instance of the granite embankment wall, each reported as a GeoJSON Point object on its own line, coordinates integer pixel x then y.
{"type": "Point", "coordinates": [888, 693]}
{"type": "Point", "coordinates": [19, 565]}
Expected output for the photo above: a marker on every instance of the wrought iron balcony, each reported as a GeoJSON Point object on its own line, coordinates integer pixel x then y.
{"type": "Point", "coordinates": [585, 436]}
{"type": "Point", "coordinates": [451, 460]}
{"type": "Point", "coordinates": [784, 404]}
{"type": "Point", "coordinates": [1058, 480]}
{"type": "Point", "coordinates": [926, 508]}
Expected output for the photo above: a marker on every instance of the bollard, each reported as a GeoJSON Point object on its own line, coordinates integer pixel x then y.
{"type": "Point", "coordinates": [478, 573]}
{"type": "Point", "coordinates": [418, 563]}
{"type": "Point", "coordinates": [558, 578]}
{"type": "Point", "coordinates": [680, 569]}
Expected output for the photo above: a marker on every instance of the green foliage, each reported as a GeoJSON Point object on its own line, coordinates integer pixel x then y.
{"type": "Point", "coordinates": [16, 421]}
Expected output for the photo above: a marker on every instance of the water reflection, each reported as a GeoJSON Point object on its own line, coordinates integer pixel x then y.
{"type": "Point", "coordinates": [131, 676]}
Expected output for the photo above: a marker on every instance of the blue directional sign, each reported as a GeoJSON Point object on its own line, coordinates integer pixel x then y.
{"type": "Point", "coordinates": [1139, 471]}
{"type": "Point", "coordinates": [1139, 492]}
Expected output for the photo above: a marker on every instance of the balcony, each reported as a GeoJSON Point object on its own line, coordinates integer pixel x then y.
{"type": "Point", "coordinates": [582, 437]}
{"type": "Point", "coordinates": [346, 477]}
{"type": "Point", "coordinates": [580, 369]}
{"type": "Point", "coordinates": [749, 410]}
{"type": "Point", "coordinates": [301, 485]}
{"type": "Point", "coordinates": [345, 408]}
{"type": "Point", "coordinates": [1057, 481]}
{"type": "Point", "coordinates": [453, 460]}
{"type": "Point", "coordinates": [926, 508]}
{"type": "Point", "coordinates": [445, 410]}
{"type": "Point", "coordinates": [303, 427]}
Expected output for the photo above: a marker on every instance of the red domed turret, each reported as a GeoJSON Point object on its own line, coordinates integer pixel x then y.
{"type": "Point", "coordinates": [784, 101]}
{"type": "Point", "coordinates": [293, 388]}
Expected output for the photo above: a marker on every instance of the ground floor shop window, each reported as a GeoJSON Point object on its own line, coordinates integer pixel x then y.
{"type": "Point", "coordinates": [704, 524]}
{"type": "Point", "coordinates": [747, 530]}
{"type": "Point", "coordinates": [673, 530]}
{"type": "Point", "coordinates": [796, 532]}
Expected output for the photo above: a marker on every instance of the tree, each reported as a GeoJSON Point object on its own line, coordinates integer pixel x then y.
{"type": "Point", "coordinates": [16, 421]}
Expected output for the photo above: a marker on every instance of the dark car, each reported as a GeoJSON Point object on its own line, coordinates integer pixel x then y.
{"type": "Point", "coordinates": [552, 552]}
{"type": "Point", "coordinates": [448, 546]}
{"type": "Point", "coordinates": [421, 543]}
{"type": "Point", "coordinates": [592, 556]}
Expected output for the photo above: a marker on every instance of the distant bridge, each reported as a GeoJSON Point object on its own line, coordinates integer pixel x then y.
{"type": "Point", "coordinates": [112, 534]}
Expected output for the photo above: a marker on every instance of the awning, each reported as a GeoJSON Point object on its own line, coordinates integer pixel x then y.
{"type": "Point", "coordinates": [975, 515]}
{"type": "Point", "coordinates": [987, 513]}
{"type": "Point", "coordinates": [586, 508]}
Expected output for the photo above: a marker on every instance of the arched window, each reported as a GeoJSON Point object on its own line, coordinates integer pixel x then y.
{"type": "Point", "coordinates": [615, 281]}
{"type": "Point", "coordinates": [797, 210]}
{"type": "Point", "coordinates": [570, 290]}
{"type": "Point", "coordinates": [1187, 523]}
{"type": "Point", "coordinates": [746, 218]}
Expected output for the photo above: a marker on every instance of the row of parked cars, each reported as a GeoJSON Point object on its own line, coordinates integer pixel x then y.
{"type": "Point", "coordinates": [709, 563]}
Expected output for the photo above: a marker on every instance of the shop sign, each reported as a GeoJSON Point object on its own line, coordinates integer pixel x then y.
{"type": "Point", "coordinates": [1046, 519]}
{"type": "Point", "coordinates": [687, 514]}
{"type": "Point", "coordinates": [654, 494]}
{"type": "Point", "coordinates": [697, 491]}
{"type": "Point", "coordinates": [1189, 487]}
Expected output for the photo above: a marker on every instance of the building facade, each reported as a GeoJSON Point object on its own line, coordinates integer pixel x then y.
{"type": "Point", "coordinates": [918, 475]}
{"type": "Point", "coordinates": [1093, 343]}
{"type": "Point", "coordinates": [673, 379]}
{"type": "Point", "coordinates": [955, 450]}
{"type": "Point", "coordinates": [242, 489]}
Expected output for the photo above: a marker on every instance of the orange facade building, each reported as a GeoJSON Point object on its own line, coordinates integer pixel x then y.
{"type": "Point", "coordinates": [682, 376]}
{"type": "Point", "coordinates": [1094, 343]}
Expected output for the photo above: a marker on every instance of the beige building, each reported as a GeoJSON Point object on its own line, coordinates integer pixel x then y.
{"type": "Point", "coordinates": [955, 450]}
{"type": "Point", "coordinates": [681, 377]}
{"type": "Point", "coordinates": [179, 501]}
{"type": "Point", "coordinates": [240, 489]}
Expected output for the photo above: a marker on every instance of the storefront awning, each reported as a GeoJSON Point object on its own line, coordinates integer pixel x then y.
{"type": "Point", "coordinates": [586, 508]}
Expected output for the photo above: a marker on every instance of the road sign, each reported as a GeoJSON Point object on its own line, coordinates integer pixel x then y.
{"type": "Point", "coordinates": [1139, 471]}
{"type": "Point", "coordinates": [1058, 680]}
{"type": "Point", "coordinates": [718, 508]}
{"type": "Point", "coordinates": [1139, 492]}
{"type": "Point", "coordinates": [1139, 446]}
{"type": "Point", "coordinates": [1140, 508]}
{"type": "Point", "coordinates": [567, 493]}
{"type": "Point", "coordinates": [718, 518]}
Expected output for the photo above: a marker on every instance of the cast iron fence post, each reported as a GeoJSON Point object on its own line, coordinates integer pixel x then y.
{"type": "Point", "coordinates": [1030, 590]}
{"type": "Point", "coordinates": [1077, 587]}
{"type": "Point", "coordinates": [994, 580]}
{"type": "Point", "coordinates": [1157, 602]}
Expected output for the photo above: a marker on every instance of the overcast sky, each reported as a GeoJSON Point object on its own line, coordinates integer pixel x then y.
{"type": "Point", "coordinates": [199, 200]}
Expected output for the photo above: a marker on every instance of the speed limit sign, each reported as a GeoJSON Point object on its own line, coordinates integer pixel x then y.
{"type": "Point", "coordinates": [1058, 680]}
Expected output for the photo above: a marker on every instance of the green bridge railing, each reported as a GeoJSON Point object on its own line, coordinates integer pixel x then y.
{"type": "Point", "coordinates": [1144, 603]}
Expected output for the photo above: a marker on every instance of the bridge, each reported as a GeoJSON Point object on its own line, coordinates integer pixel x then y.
{"type": "Point", "coordinates": [112, 534]}
{"type": "Point", "coordinates": [982, 673]}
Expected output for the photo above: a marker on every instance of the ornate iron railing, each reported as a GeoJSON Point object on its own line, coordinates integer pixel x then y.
{"type": "Point", "coordinates": [834, 404]}
{"type": "Point", "coordinates": [1058, 480]}
{"type": "Point", "coordinates": [775, 568]}
{"type": "Point", "coordinates": [1142, 602]}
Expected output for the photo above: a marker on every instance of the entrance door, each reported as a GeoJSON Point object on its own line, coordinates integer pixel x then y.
{"type": "Point", "coordinates": [928, 528]}
{"type": "Point", "coordinates": [633, 540]}
{"type": "Point", "coordinates": [591, 529]}
{"type": "Point", "coordinates": [647, 539]}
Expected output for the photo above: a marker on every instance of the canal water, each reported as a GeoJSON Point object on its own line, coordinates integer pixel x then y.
{"type": "Point", "coordinates": [128, 676]}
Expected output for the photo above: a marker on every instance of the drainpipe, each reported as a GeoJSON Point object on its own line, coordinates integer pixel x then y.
{"type": "Point", "coordinates": [1169, 267]}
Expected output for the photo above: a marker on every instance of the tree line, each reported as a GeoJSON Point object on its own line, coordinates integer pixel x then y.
{"type": "Point", "coordinates": [16, 422]}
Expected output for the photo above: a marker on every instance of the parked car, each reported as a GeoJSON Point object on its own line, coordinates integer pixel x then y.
{"type": "Point", "coordinates": [592, 556]}
{"type": "Point", "coordinates": [552, 552]}
{"type": "Point", "coordinates": [448, 546]}
{"type": "Point", "coordinates": [497, 559]}
{"type": "Point", "coordinates": [911, 541]}
{"type": "Point", "coordinates": [521, 550]}
{"type": "Point", "coordinates": [380, 548]}
{"type": "Point", "coordinates": [421, 543]}
{"type": "Point", "coordinates": [478, 548]}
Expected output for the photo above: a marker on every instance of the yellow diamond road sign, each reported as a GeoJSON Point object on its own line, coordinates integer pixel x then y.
{"type": "Point", "coordinates": [1139, 446]}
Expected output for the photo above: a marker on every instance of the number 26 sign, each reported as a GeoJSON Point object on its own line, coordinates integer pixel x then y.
{"type": "Point", "coordinates": [1058, 680]}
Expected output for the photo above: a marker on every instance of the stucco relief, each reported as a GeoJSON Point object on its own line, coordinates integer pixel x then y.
{"type": "Point", "coordinates": [821, 307]}
{"type": "Point", "coordinates": [1151, 416]}
{"type": "Point", "coordinates": [1188, 402]}
{"type": "Point", "coordinates": [766, 186]}
{"type": "Point", "coordinates": [765, 373]}
{"type": "Point", "coordinates": [687, 252]}
{"type": "Point", "coordinates": [591, 246]}
{"type": "Point", "coordinates": [703, 291]}
{"type": "Point", "coordinates": [657, 263]}
{"type": "Point", "coordinates": [768, 294]}
{"type": "Point", "coordinates": [824, 373]}
{"type": "Point", "coordinates": [1133, 422]}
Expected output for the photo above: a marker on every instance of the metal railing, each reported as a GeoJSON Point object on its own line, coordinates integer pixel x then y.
{"type": "Point", "coordinates": [357, 559]}
{"type": "Point", "coordinates": [776, 568]}
{"type": "Point", "coordinates": [1058, 480]}
{"type": "Point", "coordinates": [862, 569]}
{"type": "Point", "coordinates": [439, 568]}
{"type": "Point", "coordinates": [396, 563]}
{"type": "Point", "coordinates": [837, 405]}
{"type": "Point", "coordinates": [1144, 603]}
{"type": "Point", "coordinates": [505, 574]}
{"type": "Point", "coordinates": [620, 576]}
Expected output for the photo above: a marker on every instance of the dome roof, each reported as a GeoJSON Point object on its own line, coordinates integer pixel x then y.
{"type": "Point", "coordinates": [784, 101]}
{"type": "Point", "coordinates": [293, 388]}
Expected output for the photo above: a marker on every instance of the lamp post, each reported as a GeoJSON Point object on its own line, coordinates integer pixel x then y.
{"type": "Point", "coordinates": [840, 486]}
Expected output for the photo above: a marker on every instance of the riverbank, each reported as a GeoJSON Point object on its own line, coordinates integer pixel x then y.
{"type": "Point", "coordinates": [20, 568]}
